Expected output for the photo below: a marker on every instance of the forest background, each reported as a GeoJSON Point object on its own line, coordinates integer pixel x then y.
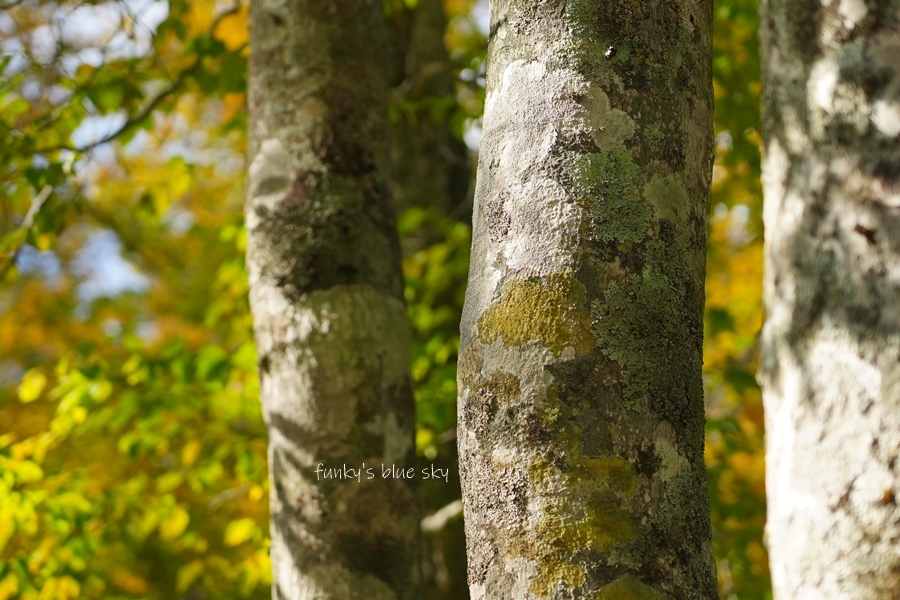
{"type": "Point", "coordinates": [132, 447]}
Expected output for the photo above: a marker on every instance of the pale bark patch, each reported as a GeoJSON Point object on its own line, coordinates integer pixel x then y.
{"type": "Point", "coordinates": [886, 117]}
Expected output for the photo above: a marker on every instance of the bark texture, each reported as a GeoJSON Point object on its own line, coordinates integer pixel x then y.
{"type": "Point", "coordinates": [581, 398]}
{"type": "Point", "coordinates": [831, 342]}
{"type": "Point", "coordinates": [327, 301]}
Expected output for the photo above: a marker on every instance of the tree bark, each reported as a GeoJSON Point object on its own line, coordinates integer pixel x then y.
{"type": "Point", "coordinates": [831, 342]}
{"type": "Point", "coordinates": [581, 399]}
{"type": "Point", "coordinates": [327, 302]}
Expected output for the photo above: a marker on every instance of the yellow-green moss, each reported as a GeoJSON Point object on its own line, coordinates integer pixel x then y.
{"type": "Point", "coordinates": [566, 531]}
{"type": "Point", "coordinates": [616, 472]}
{"type": "Point", "coordinates": [551, 573]}
{"type": "Point", "coordinates": [628, 588]}
{"type": "Point", "coordinates": [549, 309]}
{"type": "Point", "coordinates": [603, 524]}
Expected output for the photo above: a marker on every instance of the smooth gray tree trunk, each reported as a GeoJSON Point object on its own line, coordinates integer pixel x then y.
{"type": "Point", "coordinates": [831, 342]}
{"type": "Point", "coordinates": [327, 302]}
{"type": "Point", "coordinates": [581, 416]}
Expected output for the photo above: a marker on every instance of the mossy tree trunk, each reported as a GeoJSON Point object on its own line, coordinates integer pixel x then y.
{"type": "Point", "coordinates": [831, 342]}
{"type": "Point", "coordinates": [327, 301]}
{"type": "Point", "coordinates": [581, 400]}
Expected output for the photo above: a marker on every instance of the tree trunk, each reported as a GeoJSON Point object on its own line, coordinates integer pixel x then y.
{"type": "Point", "coordinates": [327, 301]}
{"type": "Point", "coordinates": [581, 397]}
{"type": "Point", "coordinates": [831, 342]}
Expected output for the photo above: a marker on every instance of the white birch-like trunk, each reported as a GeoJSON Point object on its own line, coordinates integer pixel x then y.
{"type": "Point", "coordinates": [327, 300]}
{"type": "Point", "coordinates": [581, 400]}
{"type": "Point", "coordinates": [831, 342]}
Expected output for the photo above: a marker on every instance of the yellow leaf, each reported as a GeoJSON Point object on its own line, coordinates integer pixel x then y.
{"type": "Point", "coordinates": [187, 575]}
{"type": "Point", "coordinates": [265, 565]}
{"type": "Point", "coordinates": [256, 493]}
{"type": "Point", "coordinates": [43, 242]}
{"type": "Point", "coordinates": [23, 449]}
{"type": "Point", "coordinates": [175, 525]}
{"type": "Point", "coordinates": [9, 586]}
{"type": "Point", "coordinates": [234, 29]}
{"type": "Point", "coordinates": [239, 531]}
{"type": "Point", "coordinates": [199, 17]}
{"type": "Point", "coordinates": [7, 528]}
{"type": "Point", "coordinates": [27, 471]}
{"type": "Point", "coordinates": [48, 592]}
{"type": "Point", "coordinates": [40, 555]}
{"type": "Point", "coordinates": [169, 481]}
{"type": "Point", "coordinates": [12, 275]}
{"type": "Point", "coordinates": [79, 414]}
{"type": "Point", "coordinates": [190, 452]}
{"type": "Point", "coordinates": [233, 103]}
{"type": "Point", "coordinates": [242, 240]}
{"type": "Point", "coordinates": [757, 554]}
{"type": "Point", "coordinates": [32, 385]}
{"type": "Point", "coordinates": [178, 178]}
{"type": "Point", "coordinates": [67, 588]}
{"type": "Point", "coordinates": [129, 582]}
{"type": "Point", "coordinates": [101, 390]}
{"type": "Point", "coordinates": [741, 462]}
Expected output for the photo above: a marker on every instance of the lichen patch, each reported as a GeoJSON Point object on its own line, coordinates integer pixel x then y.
{"type": "Point", "coordinates": [610, 127]}
{"type": "Point", "coordinates": [545, 309]}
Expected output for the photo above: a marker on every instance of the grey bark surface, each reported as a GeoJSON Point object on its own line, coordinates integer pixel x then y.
{"type": "Point", "coordinates": [830, 366]}
{"type": "Point", "coordinates": [327, 301]}
{"type": "Point", "coordinates": [581, 416]}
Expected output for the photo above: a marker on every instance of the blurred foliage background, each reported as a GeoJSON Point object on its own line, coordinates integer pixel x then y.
{"type": "Point", "coordinates": [132, 449]}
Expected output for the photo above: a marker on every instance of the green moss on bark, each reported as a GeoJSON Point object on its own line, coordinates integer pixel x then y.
{"type": "Point", "coordinates": [607, 184]}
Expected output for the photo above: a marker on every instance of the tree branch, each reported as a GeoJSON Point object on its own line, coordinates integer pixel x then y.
{"type": "Point", "coordinates": [36, 204]}
{"type": "Point", "coordinates": [150, 106]}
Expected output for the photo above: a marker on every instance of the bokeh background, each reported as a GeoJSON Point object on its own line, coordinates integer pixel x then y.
{"type": "Point", "coordinates": [132, 448]}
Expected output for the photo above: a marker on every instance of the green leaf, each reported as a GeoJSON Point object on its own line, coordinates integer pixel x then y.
{"type": "Point", "coordinates": [209, 359]}
{"type": "Point", "coordinates": [187, 575]}
{"type": "Point", "coordinates": [719, 320]}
